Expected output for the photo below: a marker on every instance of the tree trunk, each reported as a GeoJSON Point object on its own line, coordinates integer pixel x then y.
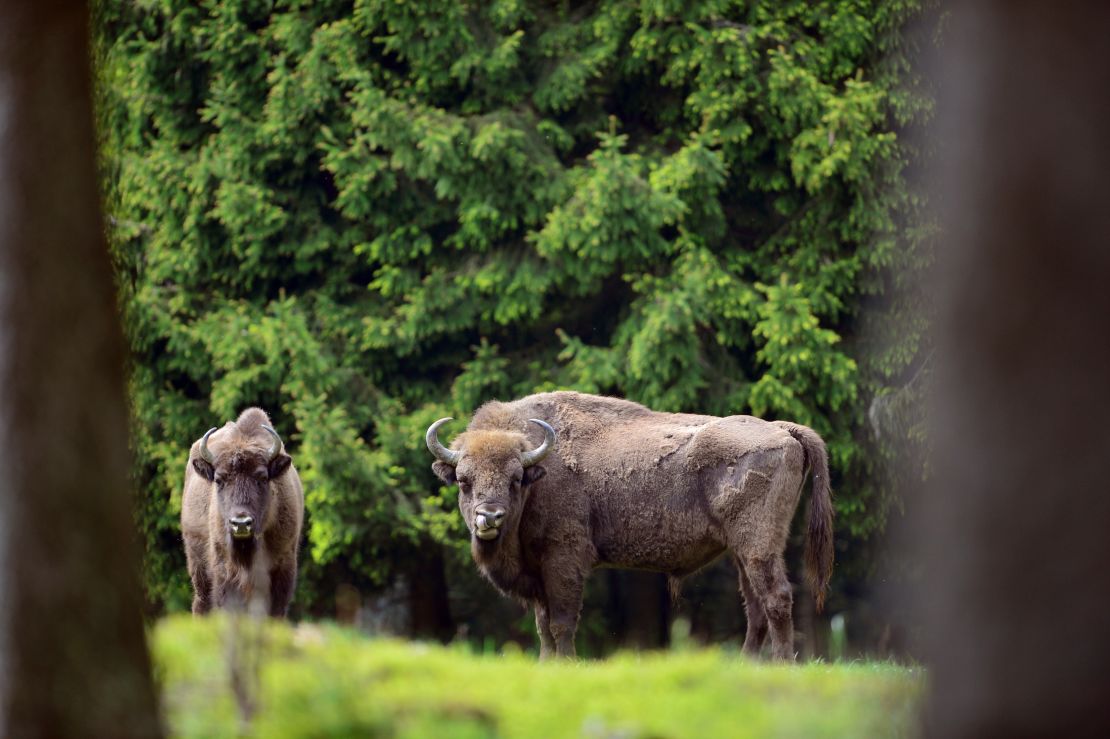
{"type": "Point", "coordinates": [1015, 527]}
{"type": "Point", "coordinates": [643, 604]}
{"type": "Point", "coordinates": [73, 660]}
{"type": "Point", "coordinates": [429, 611]}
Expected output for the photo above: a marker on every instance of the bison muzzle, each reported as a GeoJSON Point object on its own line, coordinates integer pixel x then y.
{"type": "Point", "coordinates": [614, 484]}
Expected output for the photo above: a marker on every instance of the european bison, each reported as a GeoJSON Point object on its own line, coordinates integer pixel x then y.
{"type": "Point", "coordinates": [241, 514]}
{"type": "Point", "coordinates": [624, 486]}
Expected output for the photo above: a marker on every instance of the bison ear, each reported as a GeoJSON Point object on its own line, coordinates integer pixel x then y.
{"type": "Point", "coordinates": [204, 469]}
{"type": "Point", "coordinates": [444, 472]}
{"type": "Point", "coordinates": [533, 473]}
{"type": "Point", "coordinates": [278, 465]}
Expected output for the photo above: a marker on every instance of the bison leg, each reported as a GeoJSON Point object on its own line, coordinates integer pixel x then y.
{"type": "Point", "coordinates": [543, 628]}
{"type": "Point", "coordinates": [771, 587]}
{"type": "Point", "coordinates": [757, 515]}
{"type": "Point", "coordinates": [198, 574]}
{"type": "Point", "coordinates": [754, 613]}
{"type": "Point", "coordinates": [563, 582]}
{"type": "Point", "coordinates": [202, 593]}
{"type": "Point", "coordinates": [282, 582]}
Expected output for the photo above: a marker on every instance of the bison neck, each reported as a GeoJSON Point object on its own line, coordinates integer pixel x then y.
{"type": "Point", "coordinates": [503, 563]}
{"type": "Point", "coordinates": [242, 553]}
{"type": "Point", "coordinates": [248, 573]}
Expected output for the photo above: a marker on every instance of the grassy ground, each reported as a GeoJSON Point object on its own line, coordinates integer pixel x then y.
{"type": "Point", "coordinates": [324, 681]}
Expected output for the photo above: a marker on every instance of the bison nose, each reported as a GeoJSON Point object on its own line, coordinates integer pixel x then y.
{"type": "Point", "coordinates": [241, 526]}
{"type": "Point", "coordinates": [487, 522]}
{"type": "Point", "coordinates": [489, 518]}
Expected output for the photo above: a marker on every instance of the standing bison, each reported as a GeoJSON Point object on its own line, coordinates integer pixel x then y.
{"type": "Point", "coordinates": [241, 514]}
{"type": "Point", "coordinates": [618, 485]}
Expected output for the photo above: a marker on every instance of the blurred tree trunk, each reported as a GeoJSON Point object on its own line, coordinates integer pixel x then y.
{"type": "Point", "coordinates": [1015, 527]}
{"type": "Point", "coordinates": [647, 608]}
{"type": "Point", "coordinates": [711, 600]}
{"type": "Point", "coordinates": [639, 609]}
{"type": "Point", "coordinates": [73, 660]}
{"type": "Point", "coordinates": [429, 610]}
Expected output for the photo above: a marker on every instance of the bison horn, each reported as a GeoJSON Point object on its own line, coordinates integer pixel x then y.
{"type": "Point", "coordinates": [204, 453]}
{"type": "Point", "coordinates": [277, 444]}
{"type": "Point", "coordinates": [536, 455]}
{"type": "Point", "coordinates": [440, 452]}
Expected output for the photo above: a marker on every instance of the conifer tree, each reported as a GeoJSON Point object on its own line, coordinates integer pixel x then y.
{"type": "Point", "coordinates": [365, 216]}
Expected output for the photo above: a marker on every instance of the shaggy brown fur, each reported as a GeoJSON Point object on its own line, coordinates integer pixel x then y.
{"type": "Point", "coordinates": [236, 572]}
{"type": "Point", "coordinates": [632, 488]}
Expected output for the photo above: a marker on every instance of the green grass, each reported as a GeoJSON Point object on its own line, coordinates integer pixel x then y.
{"type": "Point", "coordinates": [326, 681]}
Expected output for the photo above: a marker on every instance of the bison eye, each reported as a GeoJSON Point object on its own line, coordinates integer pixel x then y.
{"type": "Point", "coordinates": [464, 487]}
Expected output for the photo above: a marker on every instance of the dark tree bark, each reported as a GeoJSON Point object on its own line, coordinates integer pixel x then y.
{"type": "Point", "coordinates": [638, 608]}
{"type": "Point", "coordinates": [73, 660]}
{"type": "Point", "coordinates": [1015, 528]}
{"type": "Point", "coordinates": [647, 610]}
{"type": "Point", "coordinates": [711, 599]}
{"type": "Point", "coordinates": [429, 610]}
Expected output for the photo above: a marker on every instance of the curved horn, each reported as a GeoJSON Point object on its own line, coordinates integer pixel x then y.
{"type": "Point", "coordinates": [536, 455]}
{"type": "Point", "coordinates": [277, 444]}
{"type": "Point", "coordinates": [204, 453]}
{"type": "Point", "coordinates": [440, 452]}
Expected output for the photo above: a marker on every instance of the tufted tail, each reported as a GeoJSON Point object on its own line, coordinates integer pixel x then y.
{"type": "Point", "coordinates": [819, 527]}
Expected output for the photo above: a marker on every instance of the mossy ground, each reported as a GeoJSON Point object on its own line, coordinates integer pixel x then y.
{"type": "Point", "coordinates": [327, 681]}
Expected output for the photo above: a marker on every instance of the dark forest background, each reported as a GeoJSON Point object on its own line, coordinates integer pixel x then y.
{"type": "Point", "coordinates": [365, 216]}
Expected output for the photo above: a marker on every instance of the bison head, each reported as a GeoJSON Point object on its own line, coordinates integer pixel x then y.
{"type": "Point", "coordinates": [242, 475]}
{"type": "Point", "coordinates": [493, 470]}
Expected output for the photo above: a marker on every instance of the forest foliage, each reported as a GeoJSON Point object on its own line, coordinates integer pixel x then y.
{"type": "Point", "coordinates": [363, 216]}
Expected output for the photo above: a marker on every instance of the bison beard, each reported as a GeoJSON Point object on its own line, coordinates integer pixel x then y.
{"type": "Point", "coordinates": [631, 488]}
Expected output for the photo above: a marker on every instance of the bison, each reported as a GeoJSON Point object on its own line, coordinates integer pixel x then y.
{"type": "Point", "coordinates": [554, 485]}
{"type": "Point", "coordinates": [241, 514]}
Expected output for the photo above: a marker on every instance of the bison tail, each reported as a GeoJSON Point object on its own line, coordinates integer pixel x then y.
{"type": "Point", "coordinates": [819, 528]}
